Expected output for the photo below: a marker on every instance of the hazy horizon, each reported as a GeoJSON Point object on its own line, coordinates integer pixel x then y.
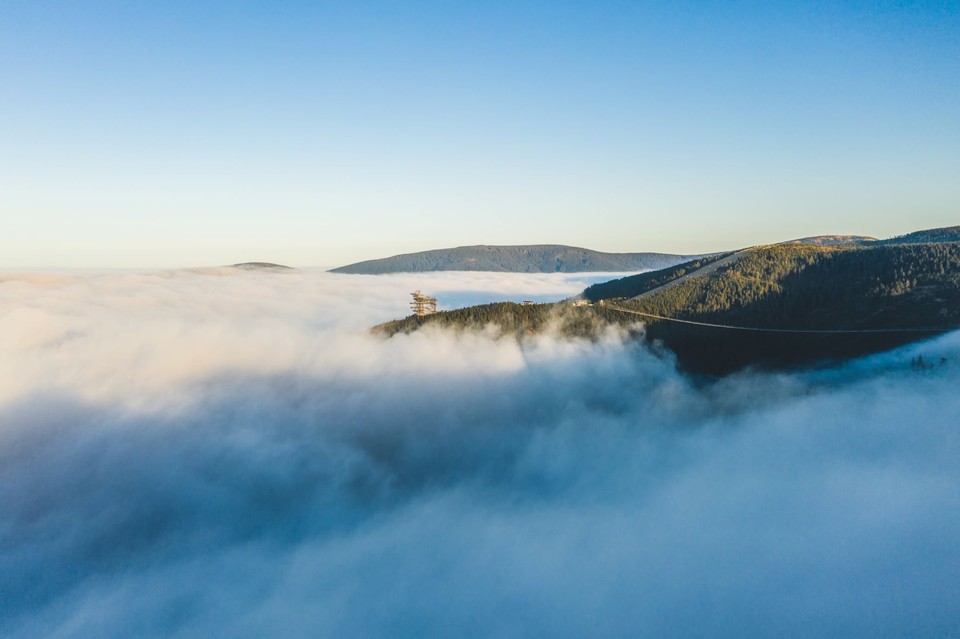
{"type": "Point", "coordinates": [320, 266]}
{"type": "Point", "coordinates": [315, 133]}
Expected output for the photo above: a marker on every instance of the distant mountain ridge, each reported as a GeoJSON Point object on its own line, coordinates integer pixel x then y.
{"type": "Point", "coordinates": [534, 258]}
{"type": "Point", "coordinates": [944, 234]}
{"type": "Point", "coordinates": [927, 236]}
{"type": "Point", "coordinates": [773, 306]}
{"type": "Point", "coordinates": [261, 266]}
{"type": "Point", "coordinates": [833, 240]}
{"type": "Point", "coordinates": [559, 258]}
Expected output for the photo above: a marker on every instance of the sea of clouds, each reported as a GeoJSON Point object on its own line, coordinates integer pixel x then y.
{"type": "Point", "coordinates": [223, 453]}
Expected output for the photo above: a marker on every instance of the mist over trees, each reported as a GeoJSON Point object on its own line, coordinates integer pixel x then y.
{"type": "Point", "coordinates": [231, 453]}
{"type": "Point", "coordinates": [785, 286]}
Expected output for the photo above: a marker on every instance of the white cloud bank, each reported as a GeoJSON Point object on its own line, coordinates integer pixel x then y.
{"type": "Point", "coordinates": [194, 454]}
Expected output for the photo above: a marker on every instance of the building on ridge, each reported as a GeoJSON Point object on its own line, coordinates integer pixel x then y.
{"type": "Point", "coordinates": [423, 304]}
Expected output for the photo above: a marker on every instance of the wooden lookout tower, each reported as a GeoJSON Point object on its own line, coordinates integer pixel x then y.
{"type": "Point", "coordinates": [423, 304]}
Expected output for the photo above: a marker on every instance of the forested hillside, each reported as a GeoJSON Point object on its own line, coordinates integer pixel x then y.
{"type": "Point", "coordinates": [808, 288]}
{"type": "Point", "coordinates": [636, 284]}
{"type": "Point", "coordinates": [786, 286]}
{"type": "Point", "coordinates": [509, 318]}
{"type": "Point", "coordinates": [798, 286]}
{"type": "Point", "coordinates": [540, 258]}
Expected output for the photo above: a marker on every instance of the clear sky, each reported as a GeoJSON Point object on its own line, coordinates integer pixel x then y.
{"type": "Point", "coordinates": [320, 133]}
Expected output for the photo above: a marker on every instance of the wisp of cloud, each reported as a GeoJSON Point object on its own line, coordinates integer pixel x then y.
{"type": "Point", "coordinates": [218, 453]}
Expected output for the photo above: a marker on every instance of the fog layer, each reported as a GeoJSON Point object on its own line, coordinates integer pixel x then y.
{"type": "Point", "coordinates": [221, 453]}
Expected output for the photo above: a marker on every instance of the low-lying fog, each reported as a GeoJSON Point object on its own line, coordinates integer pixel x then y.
{"type": "Point", "coordinates": [220, 453]}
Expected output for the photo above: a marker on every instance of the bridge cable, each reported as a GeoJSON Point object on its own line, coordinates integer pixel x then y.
{"type": "Point", "coordinates": [787, 330]}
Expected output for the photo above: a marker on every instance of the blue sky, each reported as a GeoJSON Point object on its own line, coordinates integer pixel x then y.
{"type": "Point", "coordinates": [312, 133]}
